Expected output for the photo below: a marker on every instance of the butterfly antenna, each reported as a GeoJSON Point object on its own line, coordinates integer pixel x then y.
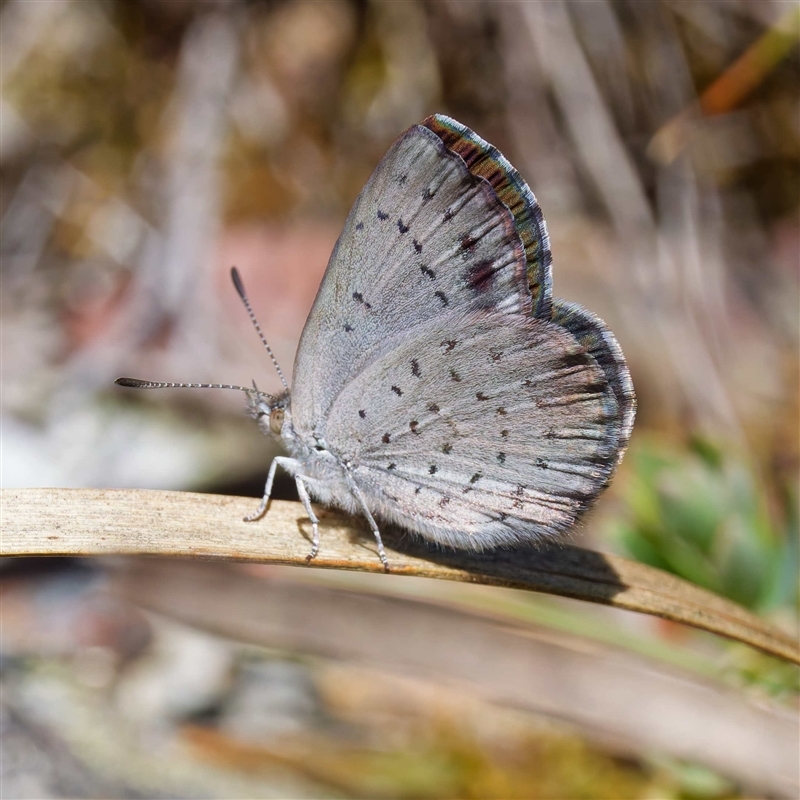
{"type": "Point", "coordinates": [135, 383]}
{"type": "Point", "coordinates": [237, 282]}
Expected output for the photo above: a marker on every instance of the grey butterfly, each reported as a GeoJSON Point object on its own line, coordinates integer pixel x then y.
{"type": "Point", "coordinates": [438, 385]}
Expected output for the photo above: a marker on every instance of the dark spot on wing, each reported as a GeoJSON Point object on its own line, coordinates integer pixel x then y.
{"type": "Point", "coordinates": [402, 179]}
{"type": "Point", "coordinates": [454, 376]}
{"type": "Point", "coordinates": [414, 426]}
{"type": "Point", "coordinates": [443, 299]}
{"type": "Point", "coordinates": [428, 194]}
{"type": "Point", "coordinates": [447, 448]}
{"type": "Point", "coordinates": [476, 477]}
{"type": "Point", "coordinates": [432, 469]}
{"type": "Point", "coordinates": [576, 359]}
{"type": "Point", "coordinates": [415, 367]}
{"type": "Point", "coordinates": [448, 215]}
{"type": "Point", "coordinates": [448, 345]}
{"type": "Point", "coordinates": [495, 355]}
{"type": "Point", "coordinates": [348, 329]}
{"type": "Point", "coordinates": [468, 242]}
{"type": "Point", "coordinates": [382, 216]}
{"type": "Point", "coordinates": [359, 298]}
{"type": "Point", "coordinates": [433, 407]}
{"type": "Point", "coordinates": [540, 462]}
{"type": "Point", "coordinates": [502, 411]}
{"type": "Point", "coordinates": [418, 490]}
{"type": "Point", "coordinates": [444, 501]}
{"type": "Point", "coordinates": [429, 272]}
{"type": "Point", "coordinates": [386, 438]}
{"type": "Point", "coordinates": [504, 433]}
{"type": "Point", "coordinates": [362, 413]}
{"type": "Point", "coordinates": [402, 227]}
{"type": "Point", "coordinates": [596, 387]}
{"type": "Point", "coordinates": [391, 466]}
{"type": "Point", "coordinates": [502, 516]}
{"type": "Point", "coordinates": [480, 276]}
{"type": "Point", "coordinates": [501, 457]}
{"type": "Point", "coordinates": [359, 226]}
{"type": "Point", "coordinates": [397, 390]}
{"type": "Point", "coordinates": [482, 396]}
{"type": "Point", "coordinates": [417, 246]}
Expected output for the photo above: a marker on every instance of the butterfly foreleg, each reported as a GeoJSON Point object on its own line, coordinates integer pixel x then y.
{"type": "Point", "coordinates": [290, 465]}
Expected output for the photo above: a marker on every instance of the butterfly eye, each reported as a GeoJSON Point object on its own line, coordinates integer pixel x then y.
{"type": "Point", "coordinates": [276, 420]}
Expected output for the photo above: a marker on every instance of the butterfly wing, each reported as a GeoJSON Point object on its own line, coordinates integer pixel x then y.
{"type": "Point", "coordinates": [602, 345]}
{"type": "Point", "coordinates": [426, 238]}
{"type": "Point", "coordinates": [486, 161]}
{"type": "Point", "coordinates": [478, 429]}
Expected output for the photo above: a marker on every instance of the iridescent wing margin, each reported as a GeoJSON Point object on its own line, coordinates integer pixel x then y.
{"type": "Point", "coordinates": [486, 161]}
{"type": "Point", "coordinates": [602, 345]}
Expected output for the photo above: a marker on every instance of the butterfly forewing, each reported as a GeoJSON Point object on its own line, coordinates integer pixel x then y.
{"type": "Point", "coordinates": [479, 429]}
{"type": "Point", "coordinates": [485, 160]}
{"type": "Point", "coordinates": [424, 240]}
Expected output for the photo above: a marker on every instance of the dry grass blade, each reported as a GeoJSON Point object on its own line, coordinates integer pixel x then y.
{"type": "Point", "coordinates": [93, 522]}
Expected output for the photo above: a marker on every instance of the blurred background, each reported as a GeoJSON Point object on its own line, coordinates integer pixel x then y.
{"type": "Point", "coordinates": [146, 148]}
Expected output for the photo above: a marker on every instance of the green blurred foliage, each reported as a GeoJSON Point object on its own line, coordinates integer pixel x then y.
{"type": "Point", "coordinates": [703, 513]}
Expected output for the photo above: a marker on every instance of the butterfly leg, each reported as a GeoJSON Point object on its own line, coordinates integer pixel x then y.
{"type": "Point", "coordinates": [290, 465]}
{"type": "Point", "coordinates": [306, 501]}
{"type": "Point", "coordinates": [372, 524]}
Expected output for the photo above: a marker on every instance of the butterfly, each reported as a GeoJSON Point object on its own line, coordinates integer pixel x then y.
{"type": "Point", "coordinates": [438, 384]}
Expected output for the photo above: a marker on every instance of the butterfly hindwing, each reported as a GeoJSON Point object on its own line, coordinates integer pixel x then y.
{"type": "Point", "coordinates": [478, 429]}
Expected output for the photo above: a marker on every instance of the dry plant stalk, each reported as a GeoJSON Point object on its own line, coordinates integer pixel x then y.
{"type": "Point", "coordinates": [94, 522]}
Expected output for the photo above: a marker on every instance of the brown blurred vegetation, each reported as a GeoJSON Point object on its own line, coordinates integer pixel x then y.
{"type": "Point", "coordinates": [146, 147]}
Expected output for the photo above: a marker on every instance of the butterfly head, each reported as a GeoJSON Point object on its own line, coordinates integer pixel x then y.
{"type": "Point", "coordinates": [271, 412]}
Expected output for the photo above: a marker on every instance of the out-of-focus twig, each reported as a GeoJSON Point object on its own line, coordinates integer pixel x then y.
{"type": "Point", "coordinates": [170, 283]}
{"type": "Point", "coordinates": [738, 81]}
{"type": "Point", "coordinates": [753, 66]}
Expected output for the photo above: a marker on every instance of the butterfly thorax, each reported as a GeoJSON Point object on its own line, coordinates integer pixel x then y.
{"type": "Point", "coordinates": [313, 459]}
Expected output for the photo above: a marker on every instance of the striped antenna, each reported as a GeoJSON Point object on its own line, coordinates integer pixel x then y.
{"type": "Point", "coordinates": [237, 282]}
{"type": "Point", "coordinates": [135, 383]}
